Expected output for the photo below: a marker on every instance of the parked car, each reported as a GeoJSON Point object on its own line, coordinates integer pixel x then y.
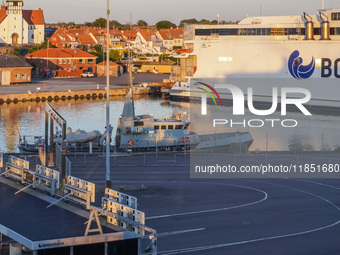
{"type": "Point", "coordinates": [87, 74]}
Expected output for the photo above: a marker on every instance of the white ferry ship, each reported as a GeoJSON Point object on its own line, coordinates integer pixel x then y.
{"type": "Point", "coordinates": [264, 53]}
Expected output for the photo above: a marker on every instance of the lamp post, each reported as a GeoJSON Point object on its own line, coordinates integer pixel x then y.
{"type": "Point", "coordinates": [108, 179]}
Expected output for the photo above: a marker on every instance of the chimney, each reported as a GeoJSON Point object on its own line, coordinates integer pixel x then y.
{"type": "Point", "coordinates": [309, 27]}
{"type": "Point", "coordinates": [325, 27]}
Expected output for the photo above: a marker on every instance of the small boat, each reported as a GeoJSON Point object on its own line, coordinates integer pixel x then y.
{"type": "Point", "coordinates": [80, 139]}
{"type": "Point", "coordinates": [28, 145]}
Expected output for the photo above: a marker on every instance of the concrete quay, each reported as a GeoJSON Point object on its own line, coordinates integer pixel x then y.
{"type": "Point", "coordinates": [74, 88]}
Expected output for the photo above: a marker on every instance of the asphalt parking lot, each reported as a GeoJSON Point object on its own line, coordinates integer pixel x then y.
{"type": "Point", "coordinates": [224, 216]}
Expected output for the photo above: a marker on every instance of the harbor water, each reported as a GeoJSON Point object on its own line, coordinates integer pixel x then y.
{"type": "Point", "coordinates": [319, 132]}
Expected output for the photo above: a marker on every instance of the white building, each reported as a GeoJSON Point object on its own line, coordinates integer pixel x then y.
{"type": "Point", "coordinates": [18, 26]}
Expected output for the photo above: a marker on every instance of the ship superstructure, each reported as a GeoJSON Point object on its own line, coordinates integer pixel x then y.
{"type": "Point", "coordinates": [264, 53]}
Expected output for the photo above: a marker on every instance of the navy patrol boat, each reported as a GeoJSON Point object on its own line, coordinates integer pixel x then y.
{"type": "Point", "coordinates": [145, 133]}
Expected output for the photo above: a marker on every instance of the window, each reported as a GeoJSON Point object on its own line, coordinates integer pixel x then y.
{"type": "Point", "coordinates": [156, 127]}
{"type": "Point", "coordinates": [139, 124]}
{"type": "Point", "coordinates": [23, 76]}
{"type": "Point", "coordinates": [90, 60]}
{"type": "Point", "coordinates": [17, 76]}
{"type": "Point", "coordinates": [60, 61]}
{"type": "Point", "coordinates": [32, 36]}
{"type": "Point", "coordinates": [335, 31]}
{"type": "Point", "coordinates": [336, 16]}
{"type": "Point", "coordinates": [170, 127]}
{"type": "Point", "coordinates": [81, 61]}
{"type": "Point", "coordinates": [163, 127]}
{"type": "Point", "coordinates": [179, 127]}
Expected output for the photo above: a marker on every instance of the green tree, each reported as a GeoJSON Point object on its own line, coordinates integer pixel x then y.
{"type": "Point", "coordinates": [17, 52]}
{"type": "Point", "coordinates": [165, 24]}
{"type": "Point", "coordinates": [41, 46]}
{"type": "Point", "coordinates": [99, 55]}
{"type": "Point", "coordinates": [142, 23]}
{"type": "Point", "coordinates": [115, 55]}
{"type": "Point", "coordinates": [101, 22]}
{"type": "Point", "coordinates": [166, 57]}
{"type": "Point", "coordinates": [204, 22]}
{"type": "Point", "coordinates": [188, 21]}
{"type": "Point", "coordinates": [116, 24]}
{"type": "Point", "coordinates": [98, 48]}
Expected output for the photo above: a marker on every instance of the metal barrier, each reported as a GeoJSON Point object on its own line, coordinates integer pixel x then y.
{"type": "Point", "coordinates": [15, 168]}
{"type": "Point", "coordinates": [121, 198]}
{"type": "Point", "coordinates": [80, 191]}
{"type": "Point", "coordinates": [136, 226]}
{"type": "Point", "coordinates": [19, 162]}
{"type": "Point", "coordinates": [15, 172]}
{"type": "Point", "coordinates": [127, 212]}
{"type": "Point", "coordinates": [41, 181]}
{"type": "Point", "coordinates": [32, 178]}
{"type": "Point", "coordinates": [49, 173]}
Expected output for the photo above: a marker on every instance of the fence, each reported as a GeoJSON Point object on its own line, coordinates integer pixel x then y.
{"type": "Point", "coordinates": [80, 191]}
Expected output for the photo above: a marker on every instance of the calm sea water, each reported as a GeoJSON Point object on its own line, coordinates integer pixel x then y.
{"type": "Point", "coordinates": [29, 118]}
{"type": "Point", "coordinates": [312, 133]}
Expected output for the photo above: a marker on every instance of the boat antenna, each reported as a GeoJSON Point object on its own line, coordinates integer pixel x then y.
{"type": "Point", "coordinates": [108, 179]}
{"type": "Point", "coordinates": [323, 4]}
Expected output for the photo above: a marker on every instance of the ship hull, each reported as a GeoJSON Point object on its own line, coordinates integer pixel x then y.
{"type": "Point", "coordinates": [264, 65]}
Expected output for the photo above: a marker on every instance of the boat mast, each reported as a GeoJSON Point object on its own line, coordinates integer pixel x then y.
{"type": "Point", "coordinates": [108, 179]}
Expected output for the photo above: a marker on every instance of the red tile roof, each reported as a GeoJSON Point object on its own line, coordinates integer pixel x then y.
{"type": "Point", "coordinates": [34, 17]}
{"type": "Point", "coordinates": [111, 63]}
{"type": "Point", "coordinates": [147, 35]}
{"type": "Point", "coordinates": [85, 39]}
{"type": "Point", "coordinates": [2, 14]}
{"type": "Point", "coordinates": [60, 53]}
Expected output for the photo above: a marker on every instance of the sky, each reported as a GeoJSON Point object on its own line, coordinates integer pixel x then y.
{"type": "Point", "coordinates": [152, 11]}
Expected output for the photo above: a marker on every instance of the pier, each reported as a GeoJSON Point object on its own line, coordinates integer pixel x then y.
{"type": "Point", "coordinates": [79, 88]}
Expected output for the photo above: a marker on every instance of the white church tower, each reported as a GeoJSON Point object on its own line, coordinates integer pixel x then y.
{"type": "Point", "coordinates": [19, 26]}
{"type": "Point", "coordinates": [15, 21]}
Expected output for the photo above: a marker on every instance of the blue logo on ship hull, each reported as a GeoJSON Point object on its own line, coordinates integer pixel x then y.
{"type": "Point", "coordinates": [297, 70]}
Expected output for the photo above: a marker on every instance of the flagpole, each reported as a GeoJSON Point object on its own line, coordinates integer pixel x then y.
{"type": "Point", "coordinates": [108, 179]}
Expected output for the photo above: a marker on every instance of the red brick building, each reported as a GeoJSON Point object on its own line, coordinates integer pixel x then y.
{"type": "Point", "coordinates": [49, 62]}
{"type": "Point", "coordinates": [102, 70]}
{"type": "Point", "coordinates": [14, 70]}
